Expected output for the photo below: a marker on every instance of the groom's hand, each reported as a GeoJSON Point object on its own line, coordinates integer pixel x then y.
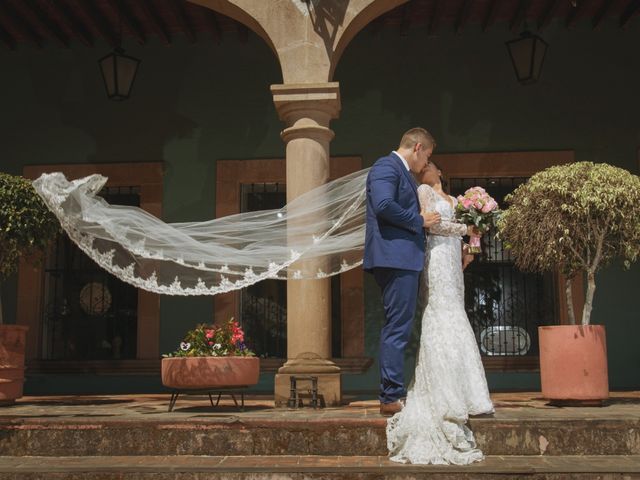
{"type": "Point", "coordinates": [430, 219]}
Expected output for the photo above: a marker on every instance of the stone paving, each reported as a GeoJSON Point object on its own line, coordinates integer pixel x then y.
{"type": "Point", "coordinates": [151, 407]}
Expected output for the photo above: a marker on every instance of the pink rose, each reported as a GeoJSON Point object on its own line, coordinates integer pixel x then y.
{"type": "Point", "coordinates": [467, 203]}
{"type": "Point", "coordinates": [487, 207]}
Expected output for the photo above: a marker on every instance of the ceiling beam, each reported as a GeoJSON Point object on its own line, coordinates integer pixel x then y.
{"type": "Point", "coordinates": [490, 15]}
{"type": "Point", "coordinates": [71, 22]}
{"type": "Point", "coordinates": [629, 12]}
{"type": "Point", "coordinates": [436, 15]}
{"type": "Point", "coordinates": [548, 13]}
{"type": "Point", "coordinates": [7, 39]}
{"type": "Point", "coordinates": [463, 15]}
{"type": "Point", "coordinates": [123, 13]}
{"type": "Point", "coordinates": [17, 21]}
{"type": "Point", "coordinates": [92, 17]}
{"type": "Point", "coordinates": [150, 12]}
{"type": "Point", "coordinates": [574, 14]}
{"type": "Point", "coordinates": [519, 15]}
{"type": "Point", "coordinates": [601, 14]}
{"type": "Point", "coordinates": [31, 10]}
{"type": "Point", "coordinates": [179, 14]}
{"type": "Point", "coordinates": [216, 31]}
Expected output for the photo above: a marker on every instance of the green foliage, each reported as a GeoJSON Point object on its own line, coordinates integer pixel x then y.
{"type": "Point", "coordinates": [575, 217]}
{"type": "Point", "coordinates": [213, 341]}
{"type": "Point", "coordinates": [26, 224]}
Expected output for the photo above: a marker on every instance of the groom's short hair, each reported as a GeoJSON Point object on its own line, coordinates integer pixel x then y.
{"type": "Point", "coordinates": [417, 135]}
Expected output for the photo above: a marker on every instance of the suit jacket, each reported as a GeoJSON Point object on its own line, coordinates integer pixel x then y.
{"type": "Point", "coordinates": [394, 235]}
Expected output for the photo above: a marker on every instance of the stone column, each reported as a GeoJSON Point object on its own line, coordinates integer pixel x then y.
{"type": "Point", "coordinates": [307, 110]}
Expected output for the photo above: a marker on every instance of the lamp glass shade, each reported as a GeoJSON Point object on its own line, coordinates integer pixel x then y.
{"type": "Point", "coordinates": [527, 56]}
{"type": "Point", "coordinates": [118, 73]}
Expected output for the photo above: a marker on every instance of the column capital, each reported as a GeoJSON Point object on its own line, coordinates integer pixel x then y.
{"type": "Point", "coordinates": [317, 101]}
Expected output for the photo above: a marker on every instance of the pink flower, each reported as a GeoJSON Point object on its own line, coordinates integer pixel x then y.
{"type": "Point", "coordinates": [209, 333]}
{"type": "Point", "coordinates": [487, 207]}
{"type": "Point", "coordinates": [467, 203]}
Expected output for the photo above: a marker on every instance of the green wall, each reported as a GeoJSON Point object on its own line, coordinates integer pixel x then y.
{"type": "Point", "coordinates": [194, 104]}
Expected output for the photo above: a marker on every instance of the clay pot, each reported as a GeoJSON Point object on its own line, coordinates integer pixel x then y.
{"type": "Point", "coordinates": [573, 363]}
{"type": "Point", "coordinates": [192, 373]}
{"type": "Point", "coordinates": [13, 339]}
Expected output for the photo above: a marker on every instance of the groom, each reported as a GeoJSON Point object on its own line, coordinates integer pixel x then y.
{"type": "Point", "coordinates": [394, 253]}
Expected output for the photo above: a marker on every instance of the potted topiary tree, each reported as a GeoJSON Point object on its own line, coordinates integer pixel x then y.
{"type": "Point", "coordinates": [575, 218]}
{"type": "Point", "coordinates": [26, 228]}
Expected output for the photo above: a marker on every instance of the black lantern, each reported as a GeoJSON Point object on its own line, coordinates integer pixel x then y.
{"type": "Point", "coordinates": [527, 55]}
{"type": "Point", "coordinates": [118, 72]}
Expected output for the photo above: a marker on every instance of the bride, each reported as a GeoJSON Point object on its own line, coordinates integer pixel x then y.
{"type": "Point", "coordinates": [449, 382]}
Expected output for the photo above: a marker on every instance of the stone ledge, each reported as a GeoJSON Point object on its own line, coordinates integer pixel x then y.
{"type": "Point", "coordinates": [364, 467]}
{"type": "Point", "coordinates": [229, 435]}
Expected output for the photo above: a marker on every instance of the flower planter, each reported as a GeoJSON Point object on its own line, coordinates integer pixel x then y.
{"type": "Point", "coordinates": [13, 339]}
{"type": "Point", "coordinates": [207, 373]}
{"type": "Point", "coordinates": [573, 363]}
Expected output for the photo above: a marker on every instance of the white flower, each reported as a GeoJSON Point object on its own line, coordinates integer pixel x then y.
{"type": "Point", "coordinates": [217, 346]}
{"type": "Point", "coordinates": [185, 346]}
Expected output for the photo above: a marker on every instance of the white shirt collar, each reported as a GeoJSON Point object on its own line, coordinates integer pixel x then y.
{"type": "Point", "coordinates": [406, 165]}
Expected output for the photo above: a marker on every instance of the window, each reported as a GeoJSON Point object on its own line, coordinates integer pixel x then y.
{"type": "Point", "coordinates": [260, 183]}
{"type": "Point", "coordinates": [263, 306]}
{"type": "Point", "coordinates": [125, 324]}
{"type": "Point", "coordinates": [505, 306]}
{"type": "Point", "coordinates": [88, 313]}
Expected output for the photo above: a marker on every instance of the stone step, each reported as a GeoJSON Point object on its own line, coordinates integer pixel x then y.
{"type": "Point", "coordinates": [313, 435]}
{"type": "Point", "coordinates": [314, 467]}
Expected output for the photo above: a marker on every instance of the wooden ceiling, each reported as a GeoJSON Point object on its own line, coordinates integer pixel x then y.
{"type": "Point", "coordinates": [45, 23]}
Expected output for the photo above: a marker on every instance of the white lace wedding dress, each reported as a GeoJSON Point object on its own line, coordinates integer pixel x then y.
{"type": "Point", "coordinates": [449, 382]}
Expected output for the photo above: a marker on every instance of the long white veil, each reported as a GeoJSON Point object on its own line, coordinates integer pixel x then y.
{"type": "Point", "coordinates": [320, 233]}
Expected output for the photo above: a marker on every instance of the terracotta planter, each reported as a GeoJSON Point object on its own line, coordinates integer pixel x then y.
{"type": "Point", "coordinates": [193, 373]}
{"type": "Point", "coordinates": [573, 363]}
{"type": "Point", "coordinates": [13, 339]}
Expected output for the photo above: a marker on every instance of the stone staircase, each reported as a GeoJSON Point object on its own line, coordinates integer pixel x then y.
{"type": "Point", "coordinates": [138, 439]}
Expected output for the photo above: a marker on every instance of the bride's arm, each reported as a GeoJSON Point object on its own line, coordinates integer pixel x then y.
{"type": "Point", "coordinates": [427, 198]}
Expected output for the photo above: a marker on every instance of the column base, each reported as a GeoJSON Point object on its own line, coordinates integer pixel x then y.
{"type": "Point", "coordinates": [329, 389]}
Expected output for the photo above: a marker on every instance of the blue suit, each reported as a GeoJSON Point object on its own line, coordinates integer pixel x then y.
{"type": "Point", "coordinates": [394, 253]}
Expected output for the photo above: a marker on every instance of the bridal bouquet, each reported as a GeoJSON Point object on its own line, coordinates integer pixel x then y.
{"type": "Point", "coordinates": [476, 207]}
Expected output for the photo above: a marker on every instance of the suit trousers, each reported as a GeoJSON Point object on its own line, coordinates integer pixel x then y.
{"type": "Point", "coordinates": [399, 296]}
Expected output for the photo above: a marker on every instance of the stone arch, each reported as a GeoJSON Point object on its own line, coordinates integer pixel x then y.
{"type": "Point", "coordinates": [307, 36]}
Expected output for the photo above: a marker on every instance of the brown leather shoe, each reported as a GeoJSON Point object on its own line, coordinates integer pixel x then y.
{"type": "Point", "coordinates": [389, 409]}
